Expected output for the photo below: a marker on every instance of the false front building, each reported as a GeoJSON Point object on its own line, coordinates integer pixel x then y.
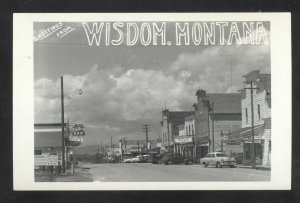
{"type": "Point", "coordinates": [216, 114]}
{"type": "Point", "coordinates": [261, 84]}
{"type": "Point", "coordinates": [170, 128]}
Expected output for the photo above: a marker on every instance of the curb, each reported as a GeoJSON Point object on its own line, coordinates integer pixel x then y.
{"type": "Point", "coordinates": [256, 168]}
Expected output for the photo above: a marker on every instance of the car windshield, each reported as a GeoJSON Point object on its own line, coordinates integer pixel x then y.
{"type": "Point", "coordinates": [221, 155]}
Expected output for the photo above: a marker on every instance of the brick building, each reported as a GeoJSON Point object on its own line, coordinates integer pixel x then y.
{"type": "Point", "coordinates": [216, 114]}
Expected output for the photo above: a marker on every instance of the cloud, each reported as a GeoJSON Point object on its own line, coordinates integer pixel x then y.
{"type": "Point", "coordinates": [117, 101]}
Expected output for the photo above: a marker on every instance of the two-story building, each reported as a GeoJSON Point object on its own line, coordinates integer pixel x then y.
{"type": "Point", "coordinates": [261, 84]}
{"type": "Point", "coordinates": [216, 114]}
{"type": "Point", "coordinates": [169, 128]}
{"type": "Point", "coordinates": [184, 142]}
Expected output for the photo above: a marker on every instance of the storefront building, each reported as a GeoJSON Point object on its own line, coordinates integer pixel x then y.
{"type": "Point", "coordinates": [48, 139]}
{"type": "Point", "coordinates": [216, 114]}
{"type": "Point", "coordinates": [169, 128]}
{"type": "Point", "coordinates": [184, 142]}
{"type": "Point", "coordinates": [262, 118]}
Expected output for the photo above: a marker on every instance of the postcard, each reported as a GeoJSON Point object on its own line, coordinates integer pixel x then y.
{"type": "Point", "coordinates": [156, 101]}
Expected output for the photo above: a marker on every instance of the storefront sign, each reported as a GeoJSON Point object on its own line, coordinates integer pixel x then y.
{"type": "Point", "coordinates": [45, 160]}
{"type": "Point", "coordinates": [255, 141]}
{"type": "Point", "coordinates": [183, 140]}
{"type": "Point", "coordinates": [78, 130]}
{"type": "Point", "coordinates": [78, 133]}
{"type": "Point", "coordinates": [76, 139]}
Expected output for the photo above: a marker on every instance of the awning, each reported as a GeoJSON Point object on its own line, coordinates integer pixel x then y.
{"type": "Point", "coordinates": [240, 135]}
{"type": "Point", "coordinates": [258, 131]}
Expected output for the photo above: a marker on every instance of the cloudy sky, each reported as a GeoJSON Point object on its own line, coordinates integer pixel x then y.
{"type": "Point", "coordinates": [126, 87]}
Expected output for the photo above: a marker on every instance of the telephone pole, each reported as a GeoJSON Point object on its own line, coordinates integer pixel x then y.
{"type": "Point", "coordinates": [146, 129]}
{"type": "Point", "coordinates": [213, 126]}
{"type": "Point", "coordinates": [125, 145]}
{"type": "Point", "coordinates": [251, 88]}
{"type": "Point", "coordinates": [62, 125]}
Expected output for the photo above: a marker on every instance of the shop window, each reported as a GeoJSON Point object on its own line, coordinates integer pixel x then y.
{"type": "Point", "coordinates": [270, 146]}
{"type": "Point", "coordinates": [189, 129]}
{"type": "Point", "coordinates": [246, 114]}
{"type": "Point", "coordinates": [258, 111]}
{"type": "Point", "coordinates": [37, 152]}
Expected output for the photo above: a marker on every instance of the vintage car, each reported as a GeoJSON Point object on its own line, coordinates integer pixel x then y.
{"type": "Point", "coordinates": [218, 159]}
{"type": "Point", "coordinates": [171, 158]}
{"type": "Point", "coordinates": [144, 158]}
{"type": "Point", "coordinates": [128, 160]}
{"type": "Point", "coordinates": [154, 158]}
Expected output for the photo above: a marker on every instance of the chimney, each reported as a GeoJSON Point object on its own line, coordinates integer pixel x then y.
{"type": "Point", "coordinates": [201, 93]}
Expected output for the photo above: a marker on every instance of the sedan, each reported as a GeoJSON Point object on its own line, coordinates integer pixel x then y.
{"type": "Point", "coordinates": [218, 159]}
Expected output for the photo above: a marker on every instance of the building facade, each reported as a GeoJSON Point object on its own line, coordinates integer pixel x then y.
{"type": "Point", "coordinates": [216, 114]}
{"type": "Point", "coordinates": [170, 128]}
{"type": "Point", "coordinates": [261, 84]}
{"type": "Point", "coordinates": [184, 142]}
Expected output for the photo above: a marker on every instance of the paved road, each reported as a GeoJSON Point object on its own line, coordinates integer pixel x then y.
{"type": "Point", "coordinates": [147, 172]}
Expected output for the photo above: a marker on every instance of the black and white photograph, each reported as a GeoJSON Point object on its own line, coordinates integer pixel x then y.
{"type": "Point", "coordinates": [153, 101]}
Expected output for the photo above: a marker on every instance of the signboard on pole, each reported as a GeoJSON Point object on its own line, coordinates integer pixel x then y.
{"type": "Point", "coordinates": [183, 140]}
{"type": "Point", "coordinates": [45, 160]}
{"type": "Point", "coordinates": [76, 139]}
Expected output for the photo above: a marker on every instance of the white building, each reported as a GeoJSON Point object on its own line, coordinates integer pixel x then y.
{"type": "Point", "coordinates": [261, 115]}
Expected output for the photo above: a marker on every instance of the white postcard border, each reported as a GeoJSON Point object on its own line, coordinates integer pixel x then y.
{"type": "Point", "coordinates": [23, 101]}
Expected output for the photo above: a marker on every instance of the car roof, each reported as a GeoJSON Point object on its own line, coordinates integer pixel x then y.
{"type": "Point", "coordinates": [217, 153]}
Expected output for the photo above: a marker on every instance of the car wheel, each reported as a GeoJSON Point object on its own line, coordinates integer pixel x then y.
{"type": "Point", "coordinates": [218, 165]}
{"type": "Point", "coordinates": [205, 165]}
{"type": "Point", "coordinates": [231, 166]}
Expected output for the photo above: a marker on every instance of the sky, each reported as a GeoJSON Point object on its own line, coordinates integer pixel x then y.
{"type": "Point", "coordinates": [125, 87]}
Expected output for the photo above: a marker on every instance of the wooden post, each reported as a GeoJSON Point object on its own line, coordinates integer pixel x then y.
{"type": "Point", "coordinates": [62, 126]}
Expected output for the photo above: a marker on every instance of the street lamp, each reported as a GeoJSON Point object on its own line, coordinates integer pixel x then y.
{"type": "Point", "coordinates": [63, 123]}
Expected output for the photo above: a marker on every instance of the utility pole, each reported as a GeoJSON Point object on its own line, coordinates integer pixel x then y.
{"type": "Point", "coordinates": [111, 144]}
{"type": "Point", "coordinates": [146, 129]}
{"type": "Point", "coordinates": [125, 145]}
{"type": "Point", "coordinates": [251, 88]}
{"type": "Point", "coordinates": [208, 126]}
{"type": "Point", "coordinates": [222, 140]}
{"type": "Point", "coordinates": [62, 125]}
{"type": "Point", "coordinates": [213, 126]}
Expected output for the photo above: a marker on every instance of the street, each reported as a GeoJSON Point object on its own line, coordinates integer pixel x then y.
{"type": "Point", "coordinates": [147, 172]}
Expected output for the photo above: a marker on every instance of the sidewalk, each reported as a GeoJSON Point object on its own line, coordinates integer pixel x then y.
{"type": "Point", "coordinates": [80, 175]}
{"type": "Point", "coordinates": [257, 167]}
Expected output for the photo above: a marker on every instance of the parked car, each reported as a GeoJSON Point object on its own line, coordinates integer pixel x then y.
{"type": "Point", "coordinates": [144, 158]}
{"type": "Point", "coordinates": [169, 159]}
{"type": "Point", "coordinates": [136, 159]}
{"type": "Point", "coordinates": [128, 160]}
{"type": "Point", "coordinates": [218, 159]}
{"type": "Point", "coordinates": [155, 158]}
